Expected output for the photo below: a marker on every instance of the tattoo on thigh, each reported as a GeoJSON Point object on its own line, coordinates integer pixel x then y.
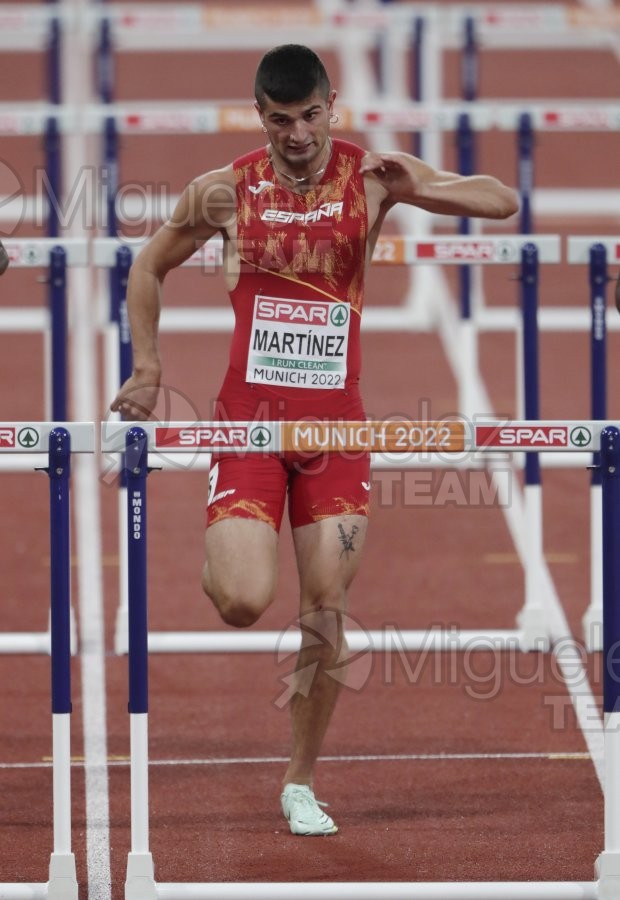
{"type": "Point", "coordinates": [347, 540]}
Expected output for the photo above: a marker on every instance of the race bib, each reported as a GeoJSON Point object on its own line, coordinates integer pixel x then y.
{"type": "Point", "coordinates": [298, 343]}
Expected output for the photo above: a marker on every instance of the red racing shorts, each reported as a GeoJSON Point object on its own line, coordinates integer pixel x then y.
{"type": "Point", "coordinates": [256, 485]}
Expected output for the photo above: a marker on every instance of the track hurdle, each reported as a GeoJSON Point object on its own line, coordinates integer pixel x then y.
{"type": "Point", "coordinates": [608, 863]}
{"type": "Point", "coordinates": [59, 440]}
{"type": "Point", "coordinates": [450, 436]}
{"type": "Point", "coordinates": [595, 252]}
{"type": "Point", "coordinates": [36, 27]}
{"type": "Point", "coordinates": [520, 250]}
{"type": "Point", "coordinates": [56, 257]}
{"type": "Point", "coordinates": [51, 122]}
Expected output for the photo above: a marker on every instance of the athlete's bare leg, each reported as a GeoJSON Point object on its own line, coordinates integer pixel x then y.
{"type": "Point", "coordinates": [328, 556]}
{"type": "Point", "coordinates": [240, 572]}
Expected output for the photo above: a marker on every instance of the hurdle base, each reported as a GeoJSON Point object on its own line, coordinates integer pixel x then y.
{"type": "Point", "coordinates": [25, 642]}
{"type": "Point", "coordinates": [140, 880]}
{"type": "Point", "coordinates": [62, 884]}
{"type": "Point", "coordinates": [534, 633]}
{"type": "Point", "coordinates": [607, 869]}
{"type": "Point", "coordinates": [23, 890]}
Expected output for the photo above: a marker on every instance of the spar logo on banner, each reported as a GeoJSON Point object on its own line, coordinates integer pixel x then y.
{"type": "Point", "coordinates": [25, 254]}
{"type": "Point", "coordinates": [515, 18]}
{"type": "Point", "coordinates": [11, 438]}
{"type": "Point", "coordinates": [13, 123]}
{"type": "Point", "coordinates": [523, 437]}
{"type": "Point", "coordinates": [260, 436]}
{"type": "Point", "coordinates": [581, 437]}
{"type": "Point", "coordinates": [28, 437]}
{"type": "Point", "coordinates": [172, 121]}
{"type": "Point", "coordinates": [246, 16]}
{"type": "Point", "coordinates": [236, 118]}
{"type": "Point", "coordinates": [600, 118]}
{"type": "Point", "coordinates": [7, 438]}
{"type": "Point", "coordinates": [467, 251]}
{"type": "Point", "coordinates": [398, 118]}
{"type": "Point", "coordinates": [214, 437]}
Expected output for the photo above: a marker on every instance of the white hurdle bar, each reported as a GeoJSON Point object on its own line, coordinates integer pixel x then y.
{"type": "Point", "coordinates": [396, 114]}
{"type": "Point", "coordinates": [171, 26]}
{"type": "Point", "coordinates": [447, 436]}
{"type": "Point", "coordinates": [390, 113]}
{"type": "Point", "coordinates": [33, 438]}
{"type": "Point", "coordinates": [444, 438]}
{"type": "Point", "coordinates": [234, 116]}
{"type": "Point", "coordinates": [179, 26]}
{"type": "Point", "coordinates": [393, 250]}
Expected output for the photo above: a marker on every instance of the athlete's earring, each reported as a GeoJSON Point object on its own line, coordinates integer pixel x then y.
{"type": "Point", "coordinates": [334, 119]}
{"type": "Point", "coordinates": [264, 129]}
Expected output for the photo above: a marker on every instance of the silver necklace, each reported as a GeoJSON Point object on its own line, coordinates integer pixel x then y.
{"type": "Point", "coordinates": [294, 179]}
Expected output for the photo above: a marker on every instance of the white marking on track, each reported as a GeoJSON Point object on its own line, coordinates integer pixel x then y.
{"type": "Point", "coordinates": [548, 755]}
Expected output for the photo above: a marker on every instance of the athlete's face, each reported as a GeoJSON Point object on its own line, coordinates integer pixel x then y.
{"type": "Point", "coordinates": [298, 132]}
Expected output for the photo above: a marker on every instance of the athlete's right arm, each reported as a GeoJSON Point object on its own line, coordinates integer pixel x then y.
{"type": "Point", "coordinates": [204, 209]}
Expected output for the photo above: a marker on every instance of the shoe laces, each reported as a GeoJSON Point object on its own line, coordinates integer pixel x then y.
{"type": "Point", "coordinates": [306, 797]}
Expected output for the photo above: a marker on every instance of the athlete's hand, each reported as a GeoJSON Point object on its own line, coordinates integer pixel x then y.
{"type": "Point", "coordinates": [392, 172]}
{"type": "Point", "coordinates": [4, 259]}
{"type": "Point", "coordinates": [136, 398]}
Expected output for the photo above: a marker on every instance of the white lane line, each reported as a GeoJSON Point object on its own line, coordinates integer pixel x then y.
{"type": "Point", "coordinates": [77, 90]}
{"type": "Point", "coordinates": [378, 757]}
{"type": "Point", "coordinates": [92, 658]}
{"type": "Point", "coordinates": [550, 756]}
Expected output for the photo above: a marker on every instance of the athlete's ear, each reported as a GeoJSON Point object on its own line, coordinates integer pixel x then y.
{"type": "Point", "coordinates": [258, 109]}
{"type": "Point", "coordinates": [330, 101]}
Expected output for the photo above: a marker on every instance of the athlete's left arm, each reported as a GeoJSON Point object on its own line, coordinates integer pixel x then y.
{"type": "Point", "coordinates": [406, 179]}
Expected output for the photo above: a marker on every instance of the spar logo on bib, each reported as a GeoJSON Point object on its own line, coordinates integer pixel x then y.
{"type": "Point", "coordinates": [339, 315]}
{"type": "Point", "coordinates": [298, 343]}
{"type": "Point", "coordinates": [270, 309]}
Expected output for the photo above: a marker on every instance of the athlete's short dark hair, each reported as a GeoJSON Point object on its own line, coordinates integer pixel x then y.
{"type": "Point", "coordinates": [290, 73]}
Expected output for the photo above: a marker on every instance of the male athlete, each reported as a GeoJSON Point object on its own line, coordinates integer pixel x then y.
{"type": "Point", "coordinates": [4, 259]}
{"type": "Point", "coordinates": [299, 218]}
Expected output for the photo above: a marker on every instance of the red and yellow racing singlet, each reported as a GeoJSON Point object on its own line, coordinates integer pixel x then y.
{"type": "Point", "coordinates": [299, 297]}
